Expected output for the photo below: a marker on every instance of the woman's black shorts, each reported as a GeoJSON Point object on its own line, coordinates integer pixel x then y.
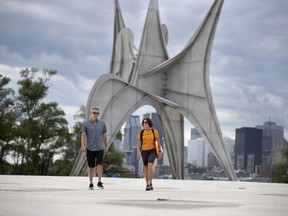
{"type": "Point", "coordinates": [148, 156]}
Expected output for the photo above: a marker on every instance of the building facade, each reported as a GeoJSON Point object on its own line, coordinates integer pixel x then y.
{"type": "Point", "coordinates": [131, 129]}
{"type": "Point", "coordinates": [198, 151]}
{"type": "Point", "coordinates": [272, 134]}
{"type": "Point", "coordinates": [248, 149]}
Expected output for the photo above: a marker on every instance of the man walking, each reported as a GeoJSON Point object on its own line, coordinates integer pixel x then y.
{"type": "Point", "coordinates": [94, 143]}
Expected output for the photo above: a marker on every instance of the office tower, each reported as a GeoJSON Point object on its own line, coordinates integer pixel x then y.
{"type": "Point", "coordinates": [230, 146]}
{"type": "Point", "coordinates": [131, 129]}
{"type": "Point", "coordinates": [194, 134]}
{"type": "Point", "coordinates": [185, 155]}
{"type": "Point", "coordinates": [248, 147]}
{"type": "Point", "coordinates": [118, 144]}
{"type": "Point", "coordinates": [198, 152]}
{"type": "Point", "coordinates": [278, 153]}
{"type": "Point", "coordinates": [250, 163]}
{"type": "Point", "coordinates": [272, 134]}
{"type": "Point", "coordinates": [212, 161]}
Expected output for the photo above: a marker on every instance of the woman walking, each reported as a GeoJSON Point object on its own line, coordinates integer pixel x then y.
{"type": "Point", "coordinates": [147, 150]}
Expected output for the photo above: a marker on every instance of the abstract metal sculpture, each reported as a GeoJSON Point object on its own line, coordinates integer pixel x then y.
{"type": "Point", "coordinates": [178, 87]}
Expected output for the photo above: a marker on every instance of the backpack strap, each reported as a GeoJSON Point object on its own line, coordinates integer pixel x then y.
{"type": "Point", "coordinates": [141, 136]}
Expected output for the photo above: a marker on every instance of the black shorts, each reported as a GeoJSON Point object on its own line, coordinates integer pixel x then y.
{"type": "Point", "coordinates": [148, 156]}
{"type": "Point", "coordinates": [94, 156]}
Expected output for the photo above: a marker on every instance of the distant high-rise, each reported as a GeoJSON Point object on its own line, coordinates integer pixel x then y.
{"type": "Point", "coordinates": [194, 134]}
{"type": "Point", "coordinates": [272, 134]}
{"type": "Point", "coordinates": [131, 129]}
{"type": "Point", "coordinates": [248, 147]}
{"type": "Point", "coordinates": [230, 146]}
{"type": "Point", "coordinates": [198, 152]}
{"type": "Point", "coordinates": [278, 153]}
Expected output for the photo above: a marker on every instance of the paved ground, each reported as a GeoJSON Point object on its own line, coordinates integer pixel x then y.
{"type": "Point", "coordinates": [53, 196]}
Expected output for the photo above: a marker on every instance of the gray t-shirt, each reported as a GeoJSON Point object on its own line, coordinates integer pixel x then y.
{"type": "Point", "coordinates": [94, 134]}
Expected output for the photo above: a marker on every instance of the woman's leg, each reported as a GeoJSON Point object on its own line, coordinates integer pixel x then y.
{"type": "Point", "coordinates": [146, 174]}
{"type": "Point", "coordinates": [150, 173]}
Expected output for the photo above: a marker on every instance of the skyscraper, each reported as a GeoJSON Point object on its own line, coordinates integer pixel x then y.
{"type": "Point", "coordinates": [272, 134]}
{"type": "Point", "coordinates": [131, 129]}
{"type": "Point", "coordinates": [248, 147]}
{"type": "Point", "coordinates": [194, 134]}
{"type": "Point", "coordinates": [198, 152]}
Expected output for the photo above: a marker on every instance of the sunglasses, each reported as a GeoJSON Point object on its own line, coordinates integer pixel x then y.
{"type": "Point", "coordinates": [145, 122]}
{"type": "Point", "coordinates": [96, 113]}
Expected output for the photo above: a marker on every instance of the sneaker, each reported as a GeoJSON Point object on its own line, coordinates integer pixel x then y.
{"type": "Point", "coordinates": [91, 187]}
{"type": "Point", "coordinates": [151, 187]}
{"type": "Point", "coordinates": [100, 185]}
{"type": "Point", "coordinates": [148, 187]}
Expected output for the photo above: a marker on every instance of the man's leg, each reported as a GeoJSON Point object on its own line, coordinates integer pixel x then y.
{"type": "Point", "coordinates": [99, 163]}
{"type": "Point", "coordinates": [99, 171]}
{"type": "Point", "coordinates": [90, 174]}
{"type": "Point", "coordinates": [91, 166]}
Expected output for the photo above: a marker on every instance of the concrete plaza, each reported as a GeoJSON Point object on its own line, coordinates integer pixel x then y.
{"type": "Point", "coordinates": [53, 196]}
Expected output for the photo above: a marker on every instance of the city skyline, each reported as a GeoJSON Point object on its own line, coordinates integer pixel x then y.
{"type": "Point", "coordinates": [189, 126]}
{"type": "Point", "coordinates": [254, 152]}
{"type": "Point", "coordinates": [247, 69]}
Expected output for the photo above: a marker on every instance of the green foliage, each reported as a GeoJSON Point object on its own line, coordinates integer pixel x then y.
{"type": "Point", "coordinates": [80, 114]}
{"type": "Point", "coordinates": [282, 170]}
{"type": "Point", "coordinates": [34, 131]}
{"type": "Point", "coordinates": [119, 135]}
{"type": "Point", "coordinates": [7, 121]}
{"type": "Point", "coordinates": [113, 164]}
{"type": "Point", "coordinates": [75, 146]}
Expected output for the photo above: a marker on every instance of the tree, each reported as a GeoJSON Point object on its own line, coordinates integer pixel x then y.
{"type": "Point", "coordinates": [42, 129]}
{"type": "Point", "coordinates": [64, 165]}
{"type": "Point", "coordinates": [113, 162]}
{"type": "Point", "coordinates": [53, 135]}
{"type": "Point", "coordinates": [282, 170]}
{"type": "Point", "coordinates": [76, 135]}
{"type": "Point", "coordinates": [7, 121]}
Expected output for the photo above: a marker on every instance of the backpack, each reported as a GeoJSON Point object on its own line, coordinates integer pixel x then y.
{"type": "Point", "coordinates": [141, 135]}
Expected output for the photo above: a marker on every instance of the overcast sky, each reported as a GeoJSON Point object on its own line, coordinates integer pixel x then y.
{"type": "Point", "coordinates": [248, 70]}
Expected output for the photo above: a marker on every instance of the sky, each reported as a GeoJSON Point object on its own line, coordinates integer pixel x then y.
{"type": "Point", "coordinates": [249, 60]}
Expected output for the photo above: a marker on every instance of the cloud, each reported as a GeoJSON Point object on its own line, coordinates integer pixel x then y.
{"type": "Point", "coordinates": [248, 68]}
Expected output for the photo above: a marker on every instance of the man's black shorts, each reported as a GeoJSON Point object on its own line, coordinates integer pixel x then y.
{"type": "Point", "coordinates": [148, 156]}
{"type": "Point", "coordinates": [94, 156]}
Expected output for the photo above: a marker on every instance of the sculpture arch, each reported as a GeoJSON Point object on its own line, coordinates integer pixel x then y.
{"type": "Point", "coordinates": [176, 87]}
